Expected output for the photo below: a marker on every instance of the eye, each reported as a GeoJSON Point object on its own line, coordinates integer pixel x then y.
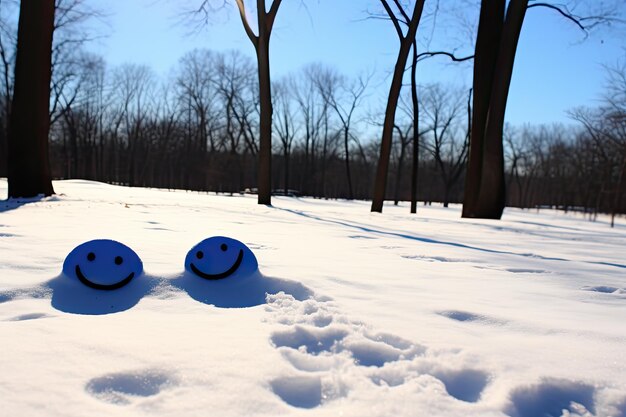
{"type": "Point", "coordinates": [199, 254]}
{"type": "Point", "coordinates": [118, 260]}
{"type": "Point", "coordinates": [224, 247]}
{"type": "Point", "coordinates": [91, 256]}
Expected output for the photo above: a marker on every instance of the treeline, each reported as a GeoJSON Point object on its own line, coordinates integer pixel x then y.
{"type": "Point", "coordinates": [198, 130]}
{"type": "Point", "coordinates": [201, 128]}
{"type": "Point", "coordinates": [581, 169]}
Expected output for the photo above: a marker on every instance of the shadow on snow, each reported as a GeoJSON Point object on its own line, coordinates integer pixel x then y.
{"type": "Point", "coordinates": [369, 229]}
{"type": "Point", "coordinates": [70, 296]}
{"type": "Point", "coordinates": [239, 292]}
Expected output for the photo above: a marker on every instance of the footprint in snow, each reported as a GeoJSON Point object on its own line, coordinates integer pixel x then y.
{"type": "Point", "coordinates": [526, 271]}
{"type": "Point", "coordinates": [605, 289]}
{"type": "Point", "coordinates": [465, 316]}
{"type": "Point", "coordinates": [439, 259]}
{"type": "Point", "coordinates": [514, 270]}
{"type": "Point", "coordinates": [553, 397]}
{"type": "Point", "coordinates": [124, 388]}
{"type": "Point", "coordinates": [327, 350]}
{"type": "Point", "coordinates": [30, 316]}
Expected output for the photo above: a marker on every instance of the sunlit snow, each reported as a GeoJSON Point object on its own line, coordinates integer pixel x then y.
{"type": "Point", "coordinates": [365, 314]}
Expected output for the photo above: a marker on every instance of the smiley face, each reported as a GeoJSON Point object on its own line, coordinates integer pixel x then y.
{"type": "Point", "coordinates": [220, 257]}
{"type": "Point", "coordinates": [103, 264]}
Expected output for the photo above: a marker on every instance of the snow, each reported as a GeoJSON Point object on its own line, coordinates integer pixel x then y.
{"type": "Point", "coordinates": [367, 314]}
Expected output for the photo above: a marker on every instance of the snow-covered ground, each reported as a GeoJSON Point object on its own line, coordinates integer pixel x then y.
{"type": "Point", "coordinates": [427, 315]}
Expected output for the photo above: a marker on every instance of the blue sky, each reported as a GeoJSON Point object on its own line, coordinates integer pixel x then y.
{"type": "Point", "coordinates": [555, 69]}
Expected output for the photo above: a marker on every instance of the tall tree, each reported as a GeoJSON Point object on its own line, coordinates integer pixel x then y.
{"type": "Point", "coordinates": [8, 35]}
{"type": "Point", "coordinates": [496, 46]}
{"type": "Point", "coordinates": [406, 41]}
{"type": "Point", "coordinates": [261, 43]}
{"type": "Point", "coordinates": [28, 167]}
{"type": "Point", "coordinates": [494, 56]}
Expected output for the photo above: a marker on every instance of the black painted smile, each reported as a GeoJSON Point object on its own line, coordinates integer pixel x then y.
{"type": "Point", "coordinates": [115, 286]}
{"type": "Point", "coordinates": [221, 275]}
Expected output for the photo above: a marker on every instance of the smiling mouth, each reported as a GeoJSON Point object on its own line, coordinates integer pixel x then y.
{"type": "Point", "coordinates": [221, 275]}
{"type": "Point", "coordinates": [96, 286]}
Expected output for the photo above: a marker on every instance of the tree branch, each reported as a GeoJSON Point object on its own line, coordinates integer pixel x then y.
{"type": "Point", "coordinates": [584, 23]}
{"type": "Point", "coordinates": [393, 18]}
{"type": "Point", "coordinates": [242, 12]}
{"type": "Point", "coordinates": [453, 57]}
{"type": "Point", "coordinates": [406, 17]}
{"type": "Point", "coordinates": [564, 13]}
{"type": "Point", "coordinates": [271, 15]}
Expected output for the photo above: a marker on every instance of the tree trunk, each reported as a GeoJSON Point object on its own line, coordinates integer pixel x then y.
{"type": "Point", "coordinates": [286, 156]}
{"type": "Point", "coordinates": [324, 155]}
{"type": "Point", "coordinates": [265, 145]}
{"type": "Point", "coordinates": [485, 58]}
{"type": "Point", "coordinates": [618, 192]}
{"type": "Point", "coordinates": [28, 165]}
{"type": "Point", "coordinates": [492, 193]}
{"type": "Point", "coordinates": [380, 182]}
{"type": "Point", "coordinates": [262, 47]}
{"type": "Point", "coordinates": [396, 193]}
{"type": "Point", "coordinates": [446, 193]}
{"type": "Point", "coordinates": [416, 136]}
{"type": "Point", "coordinates": [347, 150]}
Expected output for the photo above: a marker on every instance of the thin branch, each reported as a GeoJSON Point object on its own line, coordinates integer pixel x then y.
{"type": "Point", "coordinates": [402, 12]}
{"type": "Point", "coordinates": [584, 23]}
{"type": "Point", "coordinates": [453, 57]}
{"type": "Point", "coordinates": [242, 12]}
{"type": "Point", "coordinates": [393, 18]}
{"type": "Point", "coordinates": [564, 13]}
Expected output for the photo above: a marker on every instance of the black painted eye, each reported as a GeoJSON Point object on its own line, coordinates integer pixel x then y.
{"type": "Point", "coordinates": [91, 256]}
{"type": "Point", "coordinates": [224, 247]}
{"type": "Point", "coordinates": [118, 260]}
{"type": "Point", "coordinates": [199, 254]}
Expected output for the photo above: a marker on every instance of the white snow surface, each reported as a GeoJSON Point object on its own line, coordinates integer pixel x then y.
{"type": "Point", "coordinates": [387, 314]}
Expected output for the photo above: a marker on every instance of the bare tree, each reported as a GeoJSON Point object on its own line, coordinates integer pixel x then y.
{"type": "Point", "coordinates": [499, 29]}
{"type": "Point", "coordinates": [8, 39]}
{"type": "Point", "coordinates": [134, 88]}
{"type": "Point", "coordinates": [261, 42]}
{"type": "Point", "coordinates": [197, 90]}
{"type": "Point", "coordinates": [80, 105]}
{"type": "Point", "coordinates": [606, 126]}
{"type": "Point", "coordinates": [405, 128]}
{"type": "Point", "coordinates": [405, 139]}
{"type": "Point", "coordinates": [323, 81]}
{"type": "Point", "coordinates": [235, 82]}
{"type": "Point", "coordinates": [29, 168]}
{"type": "Point", "coordinates": [313, 112]}
{"type": "Point", "coordinates": [285, 126]}
{"type": "Point", "coordinates": [442, 110]}
{"type": "Point", "coordinates": [344, 97]}
{"type": "Point", "coordinates": [397, 16]}
{"type": "Point", "coordinates": [73, 28]}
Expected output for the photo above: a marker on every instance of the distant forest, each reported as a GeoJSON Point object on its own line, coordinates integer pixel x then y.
{"type": "Point", "coordinates": [198, 129]}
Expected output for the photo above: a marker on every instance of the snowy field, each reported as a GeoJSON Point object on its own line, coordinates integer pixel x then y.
{"type": "Point", "coordinates": [373, 315]}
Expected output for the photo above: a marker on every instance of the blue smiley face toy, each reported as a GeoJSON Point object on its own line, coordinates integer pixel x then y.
{"type": "Point", "coordinates": [103, 264]}
{"type": "Point", "coordinates": [223, 272]}
{"type": "Point", "coordinates": [220, 257]}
